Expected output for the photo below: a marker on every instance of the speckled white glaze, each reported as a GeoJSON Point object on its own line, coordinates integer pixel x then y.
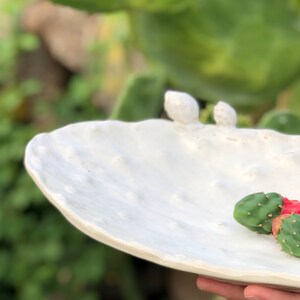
{"type": "Point", "coordinates": [165, 191]}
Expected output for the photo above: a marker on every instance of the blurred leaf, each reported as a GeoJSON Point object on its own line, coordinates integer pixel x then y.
{"type": "Point", "coordinates": [86, 269]}
{"type": "Point", "coordinates": [4, 262]}
{"type": "Point", "coordinates": [5, 127]}
{"type": "Point", "coordinates": [294, 97]}
{"type": "Point", "coordinates": [107, 6]}
{"type": "Point", "coordinates": [217, 49]}
{"type": "Point", "coordinates": [10, 99]}
{"type": "Point", "coordinates": [80, 90]}
{"type": "Point", "coordinates": [7, 174]}
{"type": "Point", "coordinates": [76, 104]}
{"type": "Point", "coordinates": [285, 122]}
{"type": "Point", "coordinates": [94, 5]}
{"type": "Point", "coordinates": [8, 52]}
{"type": "Point", "coordinates": [30, 87]}
{"type": "Point", "coordinates": [28, 42]}
{"type": "Point", "coordinates": [141, 99]}
{"type": "Point", "coordinates": [32, 290]}
{"type": "Point", "coordinates": [12, 7]}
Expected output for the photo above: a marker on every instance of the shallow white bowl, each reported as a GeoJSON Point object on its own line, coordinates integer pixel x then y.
{"type": "Point", "coordinates": [165, 191]}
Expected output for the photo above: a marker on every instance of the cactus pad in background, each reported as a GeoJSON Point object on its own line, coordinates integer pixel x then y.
{"type": "Point", "coordinates": [285, 122]}
{"type": "Point", "coordinates": [141, 99]}
{"type": "Point", "coordinates": [243, 51]}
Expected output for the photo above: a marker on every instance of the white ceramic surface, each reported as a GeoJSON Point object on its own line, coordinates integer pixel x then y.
{"type": "Point", "coordinates": [165, 191]}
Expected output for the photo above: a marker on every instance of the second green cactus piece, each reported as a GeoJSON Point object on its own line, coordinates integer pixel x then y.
{"type": "Point", "coordinates": [257, 211]}
{"type": "Point", "coordinates": [286, 230]}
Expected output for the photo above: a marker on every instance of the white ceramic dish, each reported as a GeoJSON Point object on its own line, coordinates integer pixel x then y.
{"type": "Point", "coordinates": [164, 191]}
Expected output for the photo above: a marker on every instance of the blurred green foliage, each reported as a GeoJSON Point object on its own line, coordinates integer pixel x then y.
{"type": "Point", "coordinates": [248, 55]}
{"type": "Point", "coordinates": [41, 255]}
{"type": "Point", "coordinates": [286, 122]}
{"type": "Point", "coordinates": [141, 99]}
{"type": "Point", "coordinates": [245, 52]}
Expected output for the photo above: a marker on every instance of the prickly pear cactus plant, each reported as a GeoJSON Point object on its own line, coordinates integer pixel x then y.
{"type": "Point", "coordinates": [257, 211]}
{"type": "Point", "coordinates": [286, 230]}
{"type": "Point", "coordinates": [242, 51]}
